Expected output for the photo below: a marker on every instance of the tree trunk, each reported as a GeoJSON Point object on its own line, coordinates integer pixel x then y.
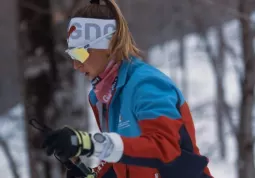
{"type": "Point", "coordinates": [220, 118]}
{"type": "Point", "coordinates": [219, 69]}
{"type": "Point", "coordinates": [10, 85]}
{"type": "Point", "coordinates": [245, 134]}
{"type": "Point", "coordinates": [40, 77]}
{"type": "Point", "coordinates": [218, 64]}
{"type": "Point", "coordinates": [184, 75]}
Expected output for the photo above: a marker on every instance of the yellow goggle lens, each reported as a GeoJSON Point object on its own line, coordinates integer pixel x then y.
{"type": "Point", "coordinates": [79, 54]}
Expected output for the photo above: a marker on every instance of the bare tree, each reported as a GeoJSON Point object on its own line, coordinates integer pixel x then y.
{"type": "Point", "coordinates": [220, 100]}
{"type": "Point", "coordinates": [217, 61]}
{"type": "Point", "coordinates": [40, 77]}
{"type": "Point", "coordinates": [49, 85]}
{"type": "Point", "coordinates": [216, 58]}
{"type": "Point", "coordinates": [183, 65]}
{"type": "Point", "coordinates": [9, 72]}
{"type": "Point", "coordinates": [10, 84]}
{"type": "Point", "coordinates": [245, 131]}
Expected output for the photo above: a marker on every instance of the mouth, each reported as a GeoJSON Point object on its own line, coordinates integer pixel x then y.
{"type": "Point", "coordinates": [86, 74]}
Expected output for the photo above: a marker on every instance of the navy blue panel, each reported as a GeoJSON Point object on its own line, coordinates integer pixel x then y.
{"type": "Point", "coordinates": [185, 142]}
{"type": "Point", "coordinates": [145, 162]}
{"type": "Point", "coordinates": [187, 165]}
{"type": "Point", "coordinates": [110, 173]}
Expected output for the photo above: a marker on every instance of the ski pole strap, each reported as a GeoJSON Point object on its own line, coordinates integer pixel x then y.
{"type": "Point", "coordinates": [39, 126]}
{"type": "Point", "coordinates": [87, 172]}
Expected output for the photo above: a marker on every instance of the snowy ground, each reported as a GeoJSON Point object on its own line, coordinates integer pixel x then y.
{"type": "Point", "coordinates": [201, 89]}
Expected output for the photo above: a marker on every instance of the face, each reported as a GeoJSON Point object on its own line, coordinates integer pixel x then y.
{"type": "Point", "coordinates": [94, 65]}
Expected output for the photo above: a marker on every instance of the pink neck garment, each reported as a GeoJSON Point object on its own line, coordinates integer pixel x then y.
{"type": "Point", "coordinates": [106, 82]}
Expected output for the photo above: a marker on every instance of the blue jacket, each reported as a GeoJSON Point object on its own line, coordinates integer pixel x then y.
{"type": "Point", "coordinates": [151, 115]}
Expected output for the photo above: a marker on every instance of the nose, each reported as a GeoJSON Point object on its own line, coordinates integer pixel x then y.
{"type": "Point", "coordinates": [77, 64]}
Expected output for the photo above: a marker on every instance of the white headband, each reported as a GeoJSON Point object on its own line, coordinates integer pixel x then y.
{"type": "Point", "coordinates": [83, 31]}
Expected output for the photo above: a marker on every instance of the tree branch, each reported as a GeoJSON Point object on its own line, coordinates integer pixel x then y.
{"type": "Point", "coordinates": [12, 164]}
{"type": "Point", "coordinates": [225, 108]}
{"type": "Point", "coordinates": [228, 115]}
{"type": "Point", "coordinates": [234, 56]}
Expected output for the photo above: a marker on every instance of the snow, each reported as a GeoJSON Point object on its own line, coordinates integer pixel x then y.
{"type": "Point", "coordinates": [201, 89]}
{"type": "Point", "coordinates": [12, 127]}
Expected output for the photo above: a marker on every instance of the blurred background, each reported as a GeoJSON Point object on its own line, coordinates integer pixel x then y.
{"type": "Point", "coordinates": [206, 46]}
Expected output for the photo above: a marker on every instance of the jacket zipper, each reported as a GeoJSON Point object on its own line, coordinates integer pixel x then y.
{"type": "Point", "coordinates": [127, 172]}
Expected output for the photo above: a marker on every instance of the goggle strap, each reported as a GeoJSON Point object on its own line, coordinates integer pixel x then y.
{"type": "Point", "coordinates": [96, 40]}
{"type": "Point", "coordinates": [89, 44]}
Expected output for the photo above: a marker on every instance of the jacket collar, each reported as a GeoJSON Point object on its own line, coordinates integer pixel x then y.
{"type": "Point", "coordinates": [122, 78]}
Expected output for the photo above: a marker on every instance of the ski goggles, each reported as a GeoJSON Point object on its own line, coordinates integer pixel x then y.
{"type": "Point", "coordinates": [81, 54]}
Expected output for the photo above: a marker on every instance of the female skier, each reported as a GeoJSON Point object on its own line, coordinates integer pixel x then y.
{"type": "Point", "coordinates": [146, 125]}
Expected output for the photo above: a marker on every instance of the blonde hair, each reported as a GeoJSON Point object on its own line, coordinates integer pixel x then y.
{"type": "Point", "coordinates": [122, 44]}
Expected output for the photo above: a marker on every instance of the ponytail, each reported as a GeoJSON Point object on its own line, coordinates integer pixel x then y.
{"type": "Point", "coordinates": [122, 44]}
